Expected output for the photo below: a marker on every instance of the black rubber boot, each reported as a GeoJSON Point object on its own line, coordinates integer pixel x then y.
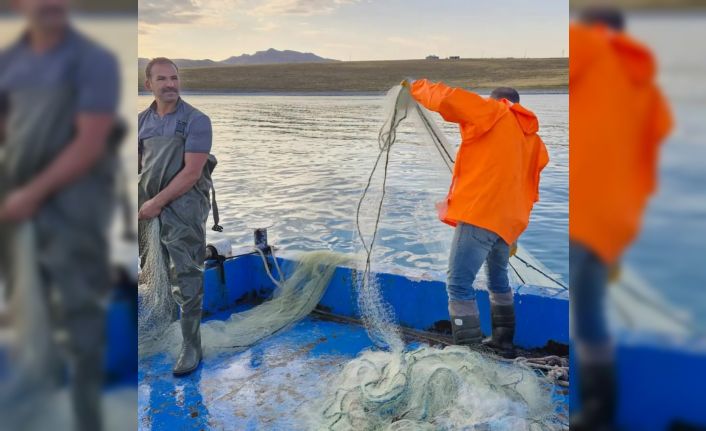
{"type": "Point", "coordinates": [190, 355]}
{"type": "Point", "coordinates": [597, 393]}
{"type": "Point", "coordinates": [466, 330]}
{"type": "Point", "coordinates": [503, 333]}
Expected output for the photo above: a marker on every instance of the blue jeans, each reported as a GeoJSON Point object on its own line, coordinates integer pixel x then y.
{"type": "Point", "coordinates": [587, 289]}
{"type": "Point", "coordinates": [471, 246]}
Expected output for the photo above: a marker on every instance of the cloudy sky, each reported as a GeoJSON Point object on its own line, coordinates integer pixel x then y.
{"type": "Point", "coordinates": [354, 29]}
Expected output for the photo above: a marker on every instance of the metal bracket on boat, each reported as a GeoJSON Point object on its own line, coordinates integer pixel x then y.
{"type": "Point", "coordinates": [260, 238]}
{"type": "Point", "coordinates": [216, 254]}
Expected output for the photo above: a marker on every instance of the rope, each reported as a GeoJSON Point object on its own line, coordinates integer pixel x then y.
{"type": "Point", "coordinates": [448, 158]}
{"type": "Point", "coordinates": [553, 367]}
{"type": "Point", "coordinates": [279, 282]}
{"type": "Point", "coordinates": [529, 265]}
{"type": "Point", "coordinates": [385, 141]}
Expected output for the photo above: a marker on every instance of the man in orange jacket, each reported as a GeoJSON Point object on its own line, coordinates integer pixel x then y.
{"type": "Point", "coordinates": [618, 118]}
{"type": "Point", "coordinates": [495, 184]}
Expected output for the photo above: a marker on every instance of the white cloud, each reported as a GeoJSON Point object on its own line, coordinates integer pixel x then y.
{"type": "Point", "coordinates": [169, 11]}
{"type": "Point", "coordinates": [299, 7]}
{"type": "Point", "coordinates": [185, 11]}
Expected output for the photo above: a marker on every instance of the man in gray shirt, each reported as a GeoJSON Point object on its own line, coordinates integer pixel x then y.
{"type": "Point", "coordinates": [57, 170]}
{"type": "Point", "coordinates": [174, 186]}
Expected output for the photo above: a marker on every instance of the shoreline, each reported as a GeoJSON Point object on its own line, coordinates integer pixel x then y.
{"type": "Point", "coordinates": [265, 93]}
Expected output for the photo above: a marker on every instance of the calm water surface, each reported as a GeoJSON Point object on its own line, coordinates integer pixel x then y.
{"type": "Point", "coordinates": [301, 162]}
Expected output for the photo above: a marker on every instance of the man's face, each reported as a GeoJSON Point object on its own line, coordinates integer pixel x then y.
{"type": "Point", "coordinates": [164, 83]}
{"type": "Point", "coordinates": [45, 14]}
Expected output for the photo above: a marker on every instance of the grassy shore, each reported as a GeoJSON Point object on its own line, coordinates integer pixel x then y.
{"type": "Point", "coordinates": [377, 76]}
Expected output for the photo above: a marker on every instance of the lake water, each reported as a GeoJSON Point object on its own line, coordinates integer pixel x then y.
{"type": "Point", "coordinates": [669, 254]}
{"type": "Point", "coordinates": [301, 162]}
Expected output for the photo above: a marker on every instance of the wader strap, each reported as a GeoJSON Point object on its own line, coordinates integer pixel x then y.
{"type": "Point", "coordinates": [214, 208]}
{"type": "Point", "coordinates": [211, 166]}
{"type": "Point", "coordinates": [181, 125]}
{"type": "Point", "coordinates": [129, 232]}
{"type": "Point", "coordinates": [140, 121]}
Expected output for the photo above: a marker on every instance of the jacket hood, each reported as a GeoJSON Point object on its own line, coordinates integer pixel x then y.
{"type": "Point", "coordinates": [589, 42]}
{"type": "Point", "coordinates": [525, 118]}
{"type": "Point", "coordinates": [635, 57]}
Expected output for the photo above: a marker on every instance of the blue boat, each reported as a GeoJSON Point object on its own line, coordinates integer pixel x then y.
{"type": "Point", "coordinates": [236, 390]}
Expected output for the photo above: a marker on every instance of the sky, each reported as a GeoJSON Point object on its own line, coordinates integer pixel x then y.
{"type": "Point", "coordinates": [354, 29]}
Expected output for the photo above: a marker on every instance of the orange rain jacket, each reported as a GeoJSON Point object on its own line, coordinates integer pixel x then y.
{"type": "Point", "coordinates": [496, 174]}
{"type": "Point", "coordinates": [617, 118]}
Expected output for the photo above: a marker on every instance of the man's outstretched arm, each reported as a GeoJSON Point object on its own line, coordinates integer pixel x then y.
{"type": "Point", "coordinates": [457, 105]}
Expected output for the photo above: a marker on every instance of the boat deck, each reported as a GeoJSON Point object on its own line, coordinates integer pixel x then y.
{"type": "Point", "coordinates": [272, 385]}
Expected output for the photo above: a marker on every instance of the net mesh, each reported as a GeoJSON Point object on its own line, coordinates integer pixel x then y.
{"type": "Point", "coordinates": [157, 309]}
{"type": "Point", "coordinates": [291, 301]}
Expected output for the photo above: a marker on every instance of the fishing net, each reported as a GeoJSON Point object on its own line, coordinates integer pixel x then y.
{"type": "Point", "coordinates": [31, 359]}
{"type": "Point", "coordinates": [429, 388]}
{"type": "Point", "coordinates": [157, 309]}
{"type": "Point", "coordinates": [292, 300]}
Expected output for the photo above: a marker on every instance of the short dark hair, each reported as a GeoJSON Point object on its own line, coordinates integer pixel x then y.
{"type": "Point", "coordinates": [606, 15]}
{"type": "Point", "coordinates": [508, 93]}
{"type": "Point", "coordinates": [158, 60]}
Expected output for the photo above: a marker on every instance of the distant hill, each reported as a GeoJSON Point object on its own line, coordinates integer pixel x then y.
{"type": "Point", "coordinates": [525, 74]}
{"type": "Point", "coordinates": [271, 56]}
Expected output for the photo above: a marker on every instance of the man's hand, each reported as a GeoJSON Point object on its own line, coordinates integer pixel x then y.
{"type": "Point", "coordinates": [149, 210]}
{"type": "Point", "coordinates": [513, 249]}
{"type": "Point", "coordinates": [407, 82]}
{"type": "Point", "coordinates": [20, 205]}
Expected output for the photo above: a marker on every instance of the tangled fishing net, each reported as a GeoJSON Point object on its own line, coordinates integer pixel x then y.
{"type": "Point", "coordinates": [429, 388]}
{"type": "Point", "coordinates": [293, 299]}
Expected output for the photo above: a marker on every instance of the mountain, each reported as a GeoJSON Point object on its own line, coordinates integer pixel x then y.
{"type": "Point", "coordinates": [271, 56]}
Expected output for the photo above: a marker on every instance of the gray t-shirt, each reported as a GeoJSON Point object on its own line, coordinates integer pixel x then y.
{"type": "Point", "coordinates": [199, 135]}
{"type": "Point", "coordinates": [76, 61]}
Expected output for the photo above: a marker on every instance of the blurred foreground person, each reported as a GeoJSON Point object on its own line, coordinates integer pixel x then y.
{"type": "Point", "coordinates": [494, 187]}
{"type": "Point", "coordinates": [57, 170]}
{"type": "Point", "coordinates": [618, 118]}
